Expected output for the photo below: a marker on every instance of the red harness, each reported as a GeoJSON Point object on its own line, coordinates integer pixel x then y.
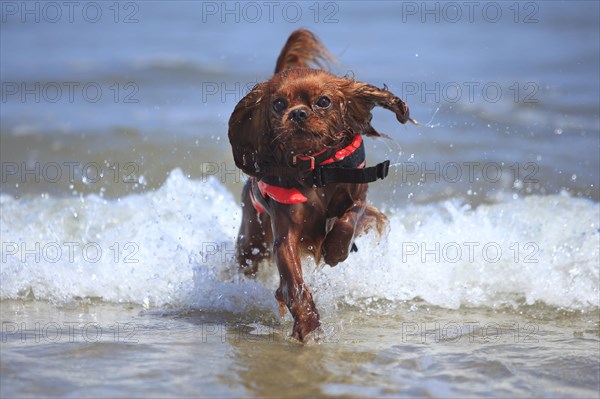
{"type": "Point", "coordinates": [293, 195]}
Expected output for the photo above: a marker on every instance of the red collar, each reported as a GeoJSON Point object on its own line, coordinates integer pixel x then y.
{"type": "Point", "coordinates": [323, 157]}
{"type": "Point", "coordinates": [338, 156]}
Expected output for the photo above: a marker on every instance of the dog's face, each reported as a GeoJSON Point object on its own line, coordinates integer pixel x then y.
{"type": "Point", "coordinates": [302, 111]}
{"type": "Point", "coordinates": [306, 110]}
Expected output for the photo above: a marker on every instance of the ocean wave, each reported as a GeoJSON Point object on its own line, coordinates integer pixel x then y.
{"type": "Point", "coordinates": [173, 247]}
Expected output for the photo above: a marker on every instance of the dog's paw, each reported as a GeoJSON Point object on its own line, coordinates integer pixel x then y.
{"type": "Point", "coordinates": [308, 329]}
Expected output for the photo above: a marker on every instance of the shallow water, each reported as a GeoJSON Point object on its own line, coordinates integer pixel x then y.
{"type": "Point", "coordinates": [119, 216]}
{"type": "Point", "coordinates": [102, 350]}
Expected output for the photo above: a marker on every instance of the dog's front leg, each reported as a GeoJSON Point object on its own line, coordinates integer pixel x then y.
{"type": "Point", "coordinates": [289, 224]}
{"type": "Point", "coordinates": [357, 220]}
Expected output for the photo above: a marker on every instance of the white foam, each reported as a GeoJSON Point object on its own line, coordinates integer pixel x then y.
{"type": "Point", "coordinates": [182, 237]}
{"type": "Point", "coordinates": [536, 249]}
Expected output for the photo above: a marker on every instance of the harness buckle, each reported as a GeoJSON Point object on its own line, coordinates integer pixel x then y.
{"type": "Point", "coordinates": [312, 160]}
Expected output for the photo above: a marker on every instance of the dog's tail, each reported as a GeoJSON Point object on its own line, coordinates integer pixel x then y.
{"type": "Point", "coordinates": [302, 50]}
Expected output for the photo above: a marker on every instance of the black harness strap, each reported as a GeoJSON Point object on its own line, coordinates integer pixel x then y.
{"type": "Point", "coordinates": [322, 176]}
{"type": "Point", "coordinates": [346, 170]}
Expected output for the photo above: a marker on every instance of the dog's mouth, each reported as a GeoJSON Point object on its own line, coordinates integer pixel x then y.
{"type": "Point", "coordinates": [304, 141]}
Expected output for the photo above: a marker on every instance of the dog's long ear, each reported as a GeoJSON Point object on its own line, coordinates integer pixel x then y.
{"type": "Point", "coordinates": [248, 131]}
{"type": "Point", "coordinates": [302, 50]}
{"type": "Point", "coordinates": [361, 98]}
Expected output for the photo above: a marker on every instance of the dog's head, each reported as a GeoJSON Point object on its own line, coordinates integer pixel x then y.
{"type": "Point", "coordinates": [303, 111]}
{"type": "Point", "coordinates": [306, 111]}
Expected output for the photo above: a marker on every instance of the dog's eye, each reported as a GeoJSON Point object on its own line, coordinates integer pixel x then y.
{"type": "Point", "coordinates": [323, 102]}
{"type": "Point", "coordinates": [279, 105]}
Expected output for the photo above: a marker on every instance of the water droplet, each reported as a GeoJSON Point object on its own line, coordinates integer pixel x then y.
{"type": "Point", "coordinates": [518, 184]}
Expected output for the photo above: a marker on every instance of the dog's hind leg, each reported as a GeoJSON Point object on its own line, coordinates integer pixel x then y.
{"type": "Point", "coordinates": [255, 238]}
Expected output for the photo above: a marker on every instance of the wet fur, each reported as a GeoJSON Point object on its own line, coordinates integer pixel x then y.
{"type": "Point", "coordinates": [262, 139]}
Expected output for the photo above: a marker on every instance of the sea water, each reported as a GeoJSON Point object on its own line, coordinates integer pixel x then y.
{"type": "Point", "coordinates": [119, 216]}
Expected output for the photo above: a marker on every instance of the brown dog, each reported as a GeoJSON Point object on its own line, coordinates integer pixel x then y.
{"type": "Point", "coordinates": [299, 138]}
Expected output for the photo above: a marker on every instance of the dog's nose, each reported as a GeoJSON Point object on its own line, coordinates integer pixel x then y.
{"type": "Point", "coordinates": [298, 115]}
